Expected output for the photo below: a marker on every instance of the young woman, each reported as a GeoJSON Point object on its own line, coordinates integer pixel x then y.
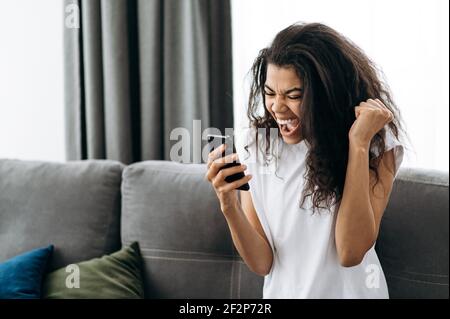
{"type": "Point", "coordinates": [319, 187]}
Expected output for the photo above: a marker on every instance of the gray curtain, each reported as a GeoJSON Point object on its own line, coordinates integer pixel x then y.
{"type": "Point", "coordinates": [136, 69]}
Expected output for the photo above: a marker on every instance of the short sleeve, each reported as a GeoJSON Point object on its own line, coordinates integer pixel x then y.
{"type": "Point", "coordinates": [392, 143]}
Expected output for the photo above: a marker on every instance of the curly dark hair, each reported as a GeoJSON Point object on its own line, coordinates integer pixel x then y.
{"type": "Point", "coordinates": [337, 76]}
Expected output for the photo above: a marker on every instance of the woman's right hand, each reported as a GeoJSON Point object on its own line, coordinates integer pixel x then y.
{"type": "Point", "coordinates": [226, 192]}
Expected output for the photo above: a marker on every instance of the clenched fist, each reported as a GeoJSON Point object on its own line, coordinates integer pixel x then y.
{"type": "Point", "coordinates": [371, 117]}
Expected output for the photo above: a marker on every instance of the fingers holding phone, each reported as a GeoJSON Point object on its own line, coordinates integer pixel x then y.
{"type": "Point", "coordinates": [222, 176]}
{"type": "Point", "coordinates": [224, 183]}
{"type": "Point", "coordinates": [227, 151]}
{"type": "Point", "coordinates": [224, 186]}
{"type": "Point", "coordinates": [215, 154]}
{"type": "Point", "coordinates": [226, 175]}
{"type": "Point", "coordinates": [219, 168]}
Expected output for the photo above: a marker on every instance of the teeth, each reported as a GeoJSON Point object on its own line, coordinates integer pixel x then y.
{"type": "Point", "coordinates": [284, 122]}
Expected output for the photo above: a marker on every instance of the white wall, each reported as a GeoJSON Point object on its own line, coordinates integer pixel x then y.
{"type": "Point", "coordinates": [31, 80]}
{"type": "Point", "coordinates": [408, 39]}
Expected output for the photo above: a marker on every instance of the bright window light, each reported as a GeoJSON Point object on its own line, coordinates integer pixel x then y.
{"type": "Point", "coordinates": [31, 80]}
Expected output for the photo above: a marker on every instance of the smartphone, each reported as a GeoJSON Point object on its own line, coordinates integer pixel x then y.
{"type": "Point", "coordinates": [214, 142]}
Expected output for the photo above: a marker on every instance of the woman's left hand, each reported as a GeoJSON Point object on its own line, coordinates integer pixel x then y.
{"type": "Point", "coordinates": [371, 117]}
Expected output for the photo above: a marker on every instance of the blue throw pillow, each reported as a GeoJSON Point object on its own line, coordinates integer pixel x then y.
{"type": "Point", "coordinates": [21, 276]}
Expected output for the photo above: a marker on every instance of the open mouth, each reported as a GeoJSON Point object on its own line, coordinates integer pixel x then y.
{"type": "Point", "coordinates": [288, 126]}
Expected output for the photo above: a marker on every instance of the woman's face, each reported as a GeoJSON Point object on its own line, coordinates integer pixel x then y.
{"type": "Point", "coordinates": [283, 92]}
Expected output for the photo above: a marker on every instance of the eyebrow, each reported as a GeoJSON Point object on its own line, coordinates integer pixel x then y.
{"type": "Point", "coordinates": [287, 91]}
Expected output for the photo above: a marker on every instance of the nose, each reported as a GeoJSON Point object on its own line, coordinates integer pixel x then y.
{"type": "Point", "coordinates": [278, 105]}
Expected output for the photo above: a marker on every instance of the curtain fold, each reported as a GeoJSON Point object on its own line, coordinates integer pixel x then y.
{"type": "Point", "coordinates": [137, 69]}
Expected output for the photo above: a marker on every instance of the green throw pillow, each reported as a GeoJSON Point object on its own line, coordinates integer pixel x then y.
{"type": "Point", "coordinates": [115, 276]}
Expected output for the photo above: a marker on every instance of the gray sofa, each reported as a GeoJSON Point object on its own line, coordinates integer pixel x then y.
{"type": "Point", "coordinates": [89, 208]}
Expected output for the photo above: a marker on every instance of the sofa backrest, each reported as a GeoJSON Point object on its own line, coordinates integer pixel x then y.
{"type": "Point", "coordinates": [413, 240]}
{"type": "Point", "coordinates": [75, 206]}
{"type": "Point", "coordinates": [174, 215]}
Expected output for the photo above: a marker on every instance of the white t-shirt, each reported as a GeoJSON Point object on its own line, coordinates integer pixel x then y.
{"type": "Point", "coordinates": [305, 263]}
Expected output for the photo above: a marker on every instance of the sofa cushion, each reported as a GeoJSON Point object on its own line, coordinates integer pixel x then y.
{"type": "Point", "coordinates": [75, 206]}
{"type": "Point", "coordinates": [21, 276]}
{"type": "Point", "coordinates": [413, 240]}
{"type": "Point", "coordinates": [174, 214]}
{"type": "Point", "coordinates": [115, 276]}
